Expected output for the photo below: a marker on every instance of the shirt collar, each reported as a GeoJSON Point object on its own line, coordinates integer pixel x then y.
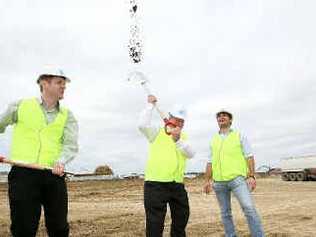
{"type": "Point", "coordinates": [41, 102]}
{"type": "Point", "coordinates": [229, 131]}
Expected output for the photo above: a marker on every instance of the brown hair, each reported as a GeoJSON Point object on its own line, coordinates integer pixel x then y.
{"type": "Point", "coordinates": [224, 112]}
{"type": "Point", "coordinates": [44, 77]}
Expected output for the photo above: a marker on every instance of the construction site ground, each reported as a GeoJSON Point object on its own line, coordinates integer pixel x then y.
{"type": "Point", "coordinates": [115, 208]}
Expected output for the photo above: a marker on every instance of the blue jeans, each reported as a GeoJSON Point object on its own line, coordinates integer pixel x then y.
{"type": "Point", "coordinates": [239, 187]}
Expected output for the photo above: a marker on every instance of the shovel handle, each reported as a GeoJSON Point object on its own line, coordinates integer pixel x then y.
{"type": "Point", "coordinates": [24, 165]}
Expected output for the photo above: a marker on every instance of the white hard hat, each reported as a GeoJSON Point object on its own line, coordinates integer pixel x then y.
{"type": "Point", "coordinates": [179, 112]}
{"type": "Point", "coordinates": [52, 71]}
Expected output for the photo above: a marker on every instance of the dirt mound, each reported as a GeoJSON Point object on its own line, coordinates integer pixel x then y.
{"type": "Point", "coordinates": [103, 170]}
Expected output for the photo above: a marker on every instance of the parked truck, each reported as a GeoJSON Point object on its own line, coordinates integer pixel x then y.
{"type": "Point", "coordinates": [300, 168]}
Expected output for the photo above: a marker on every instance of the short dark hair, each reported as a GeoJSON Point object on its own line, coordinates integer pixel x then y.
{"type": "Point", "coordinates": [43, 77]}
{"type": "Point", "coordinates": [47, 76]}
{"type": "Point", "coordinates": [224, 112]}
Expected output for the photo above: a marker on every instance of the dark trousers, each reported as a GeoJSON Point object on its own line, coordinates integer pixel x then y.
{"type": "Point", "coordinates": [29, 190]}
{"type": "Point", "coordinates": [156, 197]}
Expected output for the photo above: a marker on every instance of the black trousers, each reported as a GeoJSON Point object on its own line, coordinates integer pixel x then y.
{"type": "Point", "coordinates": [29, 190]}
{"type": "Point", "coordinates": [156, 197]}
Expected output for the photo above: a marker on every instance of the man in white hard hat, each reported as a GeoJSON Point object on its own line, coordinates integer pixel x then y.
{"type": "Point", "coordinates": [168, 153]}
{"type": "Point", "coordinates": [45, 134]}
{"type": "Point", "coordinates": [231, 169]}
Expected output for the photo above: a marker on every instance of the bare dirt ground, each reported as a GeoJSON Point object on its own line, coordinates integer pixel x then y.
{"type": "Point", "coordinates": [115, 208]}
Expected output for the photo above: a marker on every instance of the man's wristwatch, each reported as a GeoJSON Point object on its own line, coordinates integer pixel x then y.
{"type": "Point", "coordinates": [251, 176]}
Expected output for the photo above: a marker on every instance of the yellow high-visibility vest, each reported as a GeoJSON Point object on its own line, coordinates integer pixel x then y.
{"type": "Point", "coordinates": [34, 141]}
{"type": "Point", "coordinates": [165, 163]}
{"type": "Point", "coordinates": [228, 160]}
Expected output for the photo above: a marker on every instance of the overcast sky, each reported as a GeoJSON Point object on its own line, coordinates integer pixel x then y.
{"type": "Point", "coordinates": [253, 57]}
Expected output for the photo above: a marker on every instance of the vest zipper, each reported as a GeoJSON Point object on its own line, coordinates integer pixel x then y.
{"type": "Point", "coordinates": [220, 158]}
{"type": "Point", "coordinates": [40, 147]}
{"type": "Point", "coordinates": [177, 166]}
{"type": "Point", "coordinates": [45, 117]}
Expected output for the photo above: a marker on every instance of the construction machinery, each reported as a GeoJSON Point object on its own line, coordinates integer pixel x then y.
{"type": "Point", "coordinates": [299, 168]}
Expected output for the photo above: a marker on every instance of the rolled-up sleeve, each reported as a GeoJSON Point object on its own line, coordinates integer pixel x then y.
{"type": "Point", "coordinates": [246, 147]}
{"type": "Point", "coordinates": [70, 140]}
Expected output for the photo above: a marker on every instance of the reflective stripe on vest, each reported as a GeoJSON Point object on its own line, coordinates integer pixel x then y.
{"type": "Point", "coordinates": [35, 141]}
{"type": "Point", "coordinates": [165, 163]}
{"type": "Point", "coordinates": [228, 160]}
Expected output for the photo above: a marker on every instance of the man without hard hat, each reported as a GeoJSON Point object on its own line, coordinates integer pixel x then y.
{"type": "Point", "coordinates": [168, 153]}
{"type": "Point", "coordinates": [231, 170]}
{"type": "Point", "coordinates": [45, 134]}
